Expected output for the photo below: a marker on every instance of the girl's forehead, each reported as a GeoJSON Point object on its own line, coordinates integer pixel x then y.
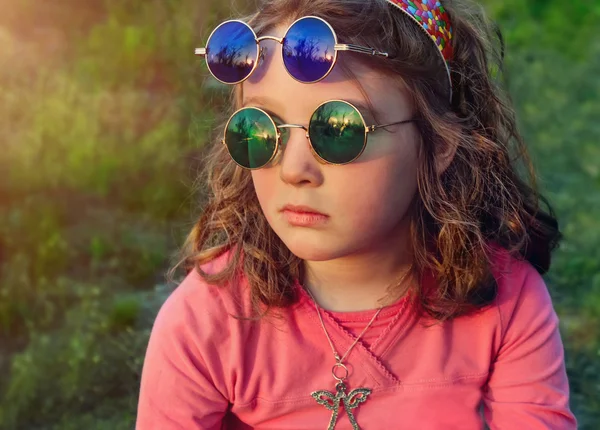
{"type": "Point", "coordinates": [272, 88]}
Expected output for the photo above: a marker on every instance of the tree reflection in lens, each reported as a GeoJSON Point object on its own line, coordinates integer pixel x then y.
{"type": "Point", "coordinates": [251, 138]}
{"type": "Point", "coordinates": [337, 132]}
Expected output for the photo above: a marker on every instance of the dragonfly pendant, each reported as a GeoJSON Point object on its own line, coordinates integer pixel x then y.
{"type": "Point", "coordinates": [350, 401]}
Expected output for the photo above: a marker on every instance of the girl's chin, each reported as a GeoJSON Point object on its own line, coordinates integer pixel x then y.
{"type": "Point", "coordinates": [315, 250]}
{"type": "Point", "coordinates": [314, 256]}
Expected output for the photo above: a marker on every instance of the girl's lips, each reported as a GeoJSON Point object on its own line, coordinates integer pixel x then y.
{"type": "Point", "coordinates": [304, 219]}
{"type": "Point", "coordinates": [302, 209]}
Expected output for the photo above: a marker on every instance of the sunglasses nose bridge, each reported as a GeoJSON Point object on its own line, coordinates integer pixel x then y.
{"type": "Point", "coordinates": [263, 49]}
{"type": "Point", "coordinates": [306, 134]}
{"type": "Point", "coordinates": [288, 126]}
{"type": "Point", "coordinates": [276, 39]}
{"type": "Point", "coordinates": [293, 126]}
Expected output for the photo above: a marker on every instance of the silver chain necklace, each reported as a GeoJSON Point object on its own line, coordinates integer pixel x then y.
{"type": "Point", "coordinates": [351, 400]}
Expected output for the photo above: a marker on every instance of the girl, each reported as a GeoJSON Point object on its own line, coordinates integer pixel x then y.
{"type": "Point", "coordinates": [368, 257]}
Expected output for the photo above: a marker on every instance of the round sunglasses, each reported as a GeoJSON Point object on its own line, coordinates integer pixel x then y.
{"type": "Point", "coordinates": [337, 134]}
{"type": "Point", "coordinates": [309, 48]}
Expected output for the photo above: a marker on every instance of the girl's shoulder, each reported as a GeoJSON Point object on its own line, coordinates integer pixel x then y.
{"type": "Point", "coordinates": [193, 343]}
{"type": "Point", "coordinates": [202, 307]}
{"type": "Point", "coordinates": [523, 296]}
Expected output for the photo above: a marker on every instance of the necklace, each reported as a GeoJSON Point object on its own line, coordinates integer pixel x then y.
{"type": "Point", "coordinates": [339, 371]}
{"type": "Point", "coordinates": [350, 400]}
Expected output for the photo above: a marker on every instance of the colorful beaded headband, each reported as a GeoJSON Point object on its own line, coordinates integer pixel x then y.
{"type": "Point", "coordinates": [433, 18]}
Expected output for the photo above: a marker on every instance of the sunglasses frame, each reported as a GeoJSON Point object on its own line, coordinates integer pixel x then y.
{"type": "Point", "coordinates": [260, 51]}
{"type": "Point", "coordinates": [278, 142]}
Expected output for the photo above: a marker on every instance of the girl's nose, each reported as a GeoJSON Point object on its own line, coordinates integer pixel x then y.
{"type": "Point", "coordinates": [298, 165]}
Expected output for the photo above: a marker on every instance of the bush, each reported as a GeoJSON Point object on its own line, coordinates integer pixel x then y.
{"type": "Point", "coordinates": [92, 363]}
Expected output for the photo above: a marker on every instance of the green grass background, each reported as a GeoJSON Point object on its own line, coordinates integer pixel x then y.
{"type": "Point", "coordinates": [103, 114]}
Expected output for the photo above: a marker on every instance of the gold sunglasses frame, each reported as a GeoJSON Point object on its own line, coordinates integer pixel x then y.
{"type": "Point", "coordinates": [278, 142]}
{"type": "Point", "coordinates": [260, 50]}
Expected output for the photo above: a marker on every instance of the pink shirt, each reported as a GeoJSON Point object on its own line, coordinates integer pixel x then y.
{"type": "Point", "coordinates": [206, 370]}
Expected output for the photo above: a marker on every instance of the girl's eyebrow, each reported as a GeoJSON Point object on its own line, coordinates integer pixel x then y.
{"type": "Point", "coordinates": [261, 101]}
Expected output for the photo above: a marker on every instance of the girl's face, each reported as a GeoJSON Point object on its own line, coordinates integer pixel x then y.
{"type": "Point", "coordinates": [365, 202]}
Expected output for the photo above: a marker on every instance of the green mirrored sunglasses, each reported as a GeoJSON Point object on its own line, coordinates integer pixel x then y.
{"type": "Point", "coordinates": [337, 134]}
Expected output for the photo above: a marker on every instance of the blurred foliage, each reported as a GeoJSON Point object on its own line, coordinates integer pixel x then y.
{"type": "Point", "coordinates": [104, 111]}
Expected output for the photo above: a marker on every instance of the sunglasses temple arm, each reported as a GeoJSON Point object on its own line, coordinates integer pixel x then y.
{"type": "Point", "coordinates": [359, 49]}
{"type": "Point", "coordinates": [200, 51]}
{"type": "Point", "coordinates": [375, 127]}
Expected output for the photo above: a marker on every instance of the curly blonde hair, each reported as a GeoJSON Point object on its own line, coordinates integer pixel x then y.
{"type": "Point", "coordinates": [480, 199]}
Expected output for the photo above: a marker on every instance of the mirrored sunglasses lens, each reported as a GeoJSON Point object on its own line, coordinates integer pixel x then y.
{"type": "Point", "coordinates": [251, 138]}
{"type": "Point", "coordinates": [232, 52]}
{"type": "Point", "coordinates": [337, 132]}
{"type": "Point", "coordinates": [308, 50]}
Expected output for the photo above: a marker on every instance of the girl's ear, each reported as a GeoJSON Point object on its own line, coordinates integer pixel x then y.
{"type": "Point", "coordinates": [445, 154]}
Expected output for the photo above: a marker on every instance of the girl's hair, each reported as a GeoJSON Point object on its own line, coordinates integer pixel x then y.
{"type": "Point", "coordinates": [478, 203]}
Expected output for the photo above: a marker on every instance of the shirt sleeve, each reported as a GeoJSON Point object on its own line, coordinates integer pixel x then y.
{"type": "Point", "coordinates": [182, 384]}
{"type": "Point", "coordinates": [528, 387]}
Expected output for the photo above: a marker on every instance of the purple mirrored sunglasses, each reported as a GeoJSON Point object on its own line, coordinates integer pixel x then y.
{"type": "Point", "coordinates": [309, 48]}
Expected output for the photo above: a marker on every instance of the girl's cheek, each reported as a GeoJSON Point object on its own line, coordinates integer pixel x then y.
{"type": "Point", "coordinates": [378, 192]}
{"type": "Point", "coordinates": [264, 184]}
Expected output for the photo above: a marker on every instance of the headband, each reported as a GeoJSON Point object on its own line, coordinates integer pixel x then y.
{"type": "Point", "coordinates": [433, 18]}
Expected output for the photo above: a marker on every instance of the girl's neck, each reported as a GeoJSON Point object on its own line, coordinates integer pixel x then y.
{"type": "Point", "coordinates": [359, 282]}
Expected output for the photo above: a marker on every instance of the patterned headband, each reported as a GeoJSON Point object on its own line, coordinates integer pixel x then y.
{"type": "Point", "coordinates": [433, 18]}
